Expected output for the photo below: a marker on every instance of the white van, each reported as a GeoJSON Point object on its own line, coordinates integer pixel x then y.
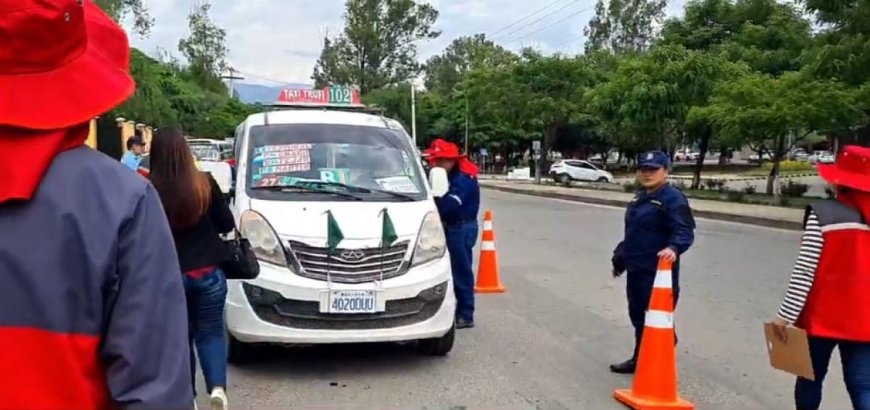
{"type": "Point", "coordinates": [298, 166]}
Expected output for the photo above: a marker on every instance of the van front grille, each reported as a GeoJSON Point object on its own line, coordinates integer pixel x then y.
{"type": "Point", "coordinates": [350, 265]}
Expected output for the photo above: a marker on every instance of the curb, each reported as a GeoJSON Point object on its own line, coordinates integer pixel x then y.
{"type": "Point", "coordinates": [718, 216]}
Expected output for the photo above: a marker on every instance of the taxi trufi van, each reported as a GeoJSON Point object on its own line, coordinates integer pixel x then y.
{"type": "Point", "coordinates": [340, 214]}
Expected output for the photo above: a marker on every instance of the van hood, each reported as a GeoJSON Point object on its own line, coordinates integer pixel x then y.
{"type": "Point", "coordinates": [360, 222]}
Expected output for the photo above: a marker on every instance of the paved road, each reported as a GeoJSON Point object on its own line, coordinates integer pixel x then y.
{"type": "Point", "coordinates": [546, 343]}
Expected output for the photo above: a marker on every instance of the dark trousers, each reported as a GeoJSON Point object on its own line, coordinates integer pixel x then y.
{"type": "Point", "coordinates": [206, 298]}
{"type": "Point", "coordinates": [855, 357]}
{"type": "Point", "coordinates": [460, 243]}
{"type": "Point", "coordinates": [639, 286]}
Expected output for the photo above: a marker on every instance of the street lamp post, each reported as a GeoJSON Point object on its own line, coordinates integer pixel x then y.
{"type": "Point", "coordinates": [414, 112]}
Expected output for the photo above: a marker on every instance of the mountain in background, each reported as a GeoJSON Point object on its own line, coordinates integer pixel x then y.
{"type": "Point", "coordinates": [262, 94]}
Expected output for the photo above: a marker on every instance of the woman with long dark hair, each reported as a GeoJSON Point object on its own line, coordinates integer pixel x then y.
{"type": "Point", "coordinates": [197, 213]}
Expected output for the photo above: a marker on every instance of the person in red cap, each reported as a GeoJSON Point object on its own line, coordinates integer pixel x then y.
{"type": "Point", "coordinates": [829, 292]}
{"type": "Point", "coordinates": [458, 210]}
{"type": "Point", "coordinates": [92, 308]}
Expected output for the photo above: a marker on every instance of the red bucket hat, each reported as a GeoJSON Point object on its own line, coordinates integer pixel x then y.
{"type": "Point", "coordinates": [62, 62]}
{"type": "Point", "coordinates": [852, 169]}
{"type": "Point", "coordinates": [442, 149]}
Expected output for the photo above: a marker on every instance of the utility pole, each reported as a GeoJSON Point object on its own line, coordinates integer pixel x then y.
{"type": "Point", "coordinates": [414, 112]}
{"type": "Point", "coordinates": [231, 78]}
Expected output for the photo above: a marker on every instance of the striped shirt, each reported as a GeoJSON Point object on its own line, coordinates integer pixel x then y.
{"type": "Point", "coordinates": [804, 272]}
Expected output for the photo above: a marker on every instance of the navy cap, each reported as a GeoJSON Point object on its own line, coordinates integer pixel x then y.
{"type": "Point", "coordinates": [653, 160]}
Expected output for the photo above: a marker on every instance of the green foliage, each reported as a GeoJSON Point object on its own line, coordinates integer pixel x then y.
{"type": "Point", "coordinates": [378, 46]}
{"type": "Point", "coordinates": [790, 166]}
{"type": "Point", "coordinates": [794, 189]}
{"type": "Point", "coordinates": [119, 9]}
{"type": "Point", "coordinates": [445, 71]}
{"type": "Point", "coordinates": [624, 26]}
{"type": "Point", "coordinates": [167, 95]}
{"type": "Point", "coordinates": [205, 50]}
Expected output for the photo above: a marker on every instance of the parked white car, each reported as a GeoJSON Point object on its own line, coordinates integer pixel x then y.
{"type": "Point", "coordinates": [687, 156]}
{"type": "Point", "coordinates": [577, 170]}
{"type": "Point", "coordinates": [823, 157]}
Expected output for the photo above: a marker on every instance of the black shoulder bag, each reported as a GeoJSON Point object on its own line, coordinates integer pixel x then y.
{"type": "Point", "coordinates": [241, 263]}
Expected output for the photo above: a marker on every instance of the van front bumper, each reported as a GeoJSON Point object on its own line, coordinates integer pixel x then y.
{"type": "Point", "coordinates": [284, 308]}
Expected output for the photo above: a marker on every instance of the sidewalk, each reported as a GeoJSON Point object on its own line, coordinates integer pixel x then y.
{"type": "Point", "coordinates": [771, 216]}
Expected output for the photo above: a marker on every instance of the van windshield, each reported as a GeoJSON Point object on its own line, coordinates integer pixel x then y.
{"type": "Point", "coordinates": [297, 162]}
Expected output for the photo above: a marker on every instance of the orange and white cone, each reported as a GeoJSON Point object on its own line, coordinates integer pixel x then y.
{"type": "Point", "coordinates": [487, 268]}
{"type": "Point", "coordinates": [655, 381]}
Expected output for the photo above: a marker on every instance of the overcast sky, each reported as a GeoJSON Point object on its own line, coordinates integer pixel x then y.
{"type": "Point", "coordinates": [279, 40]}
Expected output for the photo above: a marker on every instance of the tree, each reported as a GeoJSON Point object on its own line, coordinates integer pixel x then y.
{"type": "Point", "coordinates": [624, 25]}
{"type": "Point", "coordinates": [648, 98]}
{"type": "Point", "coordinates": [445, 71]}
{"type": "Point", "coordinates": [774, 113]}
{"type": "Point", "coordinates": [767, 35]}
{"type": "Point", "coordinates": [205, 50]}
{"type": "Point", "coordinates": [118, 9]}
{"type": "Point", "coordinates": [549, 92]}
{"type": "Point", "coordinates": [378, 47]}
{"type": "Point", "coordinates": [842, 53]}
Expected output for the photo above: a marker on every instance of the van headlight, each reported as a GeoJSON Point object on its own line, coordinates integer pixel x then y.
{"type": "Point", "coordinates": [431, 243]}
{"type": "Point", "coordinates": [264, 241]}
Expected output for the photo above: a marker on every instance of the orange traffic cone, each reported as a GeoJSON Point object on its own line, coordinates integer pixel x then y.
{"type": "Point", "coordinates": [655, 381]}
{"type": "Point", "coordinates": [487, 269]}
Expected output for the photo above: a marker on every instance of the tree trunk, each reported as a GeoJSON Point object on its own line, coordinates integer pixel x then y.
{"type": "Point", "coordinates": [702, 155]}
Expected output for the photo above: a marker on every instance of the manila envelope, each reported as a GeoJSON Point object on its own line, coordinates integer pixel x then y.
{"type": "Point", "coordinates": [791, 357]}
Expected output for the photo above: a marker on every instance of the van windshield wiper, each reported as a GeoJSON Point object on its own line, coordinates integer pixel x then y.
{"type": "Point", "coordinates": [365, 190]}
{"type": "Point", "coordinates": [303, 188]}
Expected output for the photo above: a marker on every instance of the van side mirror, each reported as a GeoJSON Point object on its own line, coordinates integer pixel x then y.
{"type": "Point", "coordinates": [221, 172]}
{"type": "Point", "coordinates": [438, 181]}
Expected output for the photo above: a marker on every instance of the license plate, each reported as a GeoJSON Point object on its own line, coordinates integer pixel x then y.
{"type": "Point", "coordinates": [352, 301]}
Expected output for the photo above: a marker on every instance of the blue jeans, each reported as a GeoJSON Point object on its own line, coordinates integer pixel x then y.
{"type": "Point", "coordinates": [855, 357]}
{"type": "Point", "coordinates": [206, 298]}
{"type": "Point", "coordinates": [460, 242]}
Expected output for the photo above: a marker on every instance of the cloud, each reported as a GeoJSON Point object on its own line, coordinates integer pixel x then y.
{"type": "Point", "coordinates": [278, 41]}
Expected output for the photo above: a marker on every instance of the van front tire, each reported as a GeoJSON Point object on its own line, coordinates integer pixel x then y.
{"type": "Point", "coordinates": [440, 346]}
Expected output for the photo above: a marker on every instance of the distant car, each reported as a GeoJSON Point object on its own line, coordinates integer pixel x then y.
{"type": "Point", "coordinates": [823, 157]}
{"type": "Point", "coordinates": [576, 170]}
{"type": "Point", "coordinates": [798, 154]}
{"type": "Point", "coordinates": [764, 157]}
{"type": "Point", "coordinates": [687, 156]}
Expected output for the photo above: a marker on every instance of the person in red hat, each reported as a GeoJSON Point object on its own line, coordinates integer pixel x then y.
{"type": "Point", "coordinates": [458, 210]}
{"type": "Point", "coordinates": [828, 295]}
{"type": "Point", "coordinates": [92, 309]}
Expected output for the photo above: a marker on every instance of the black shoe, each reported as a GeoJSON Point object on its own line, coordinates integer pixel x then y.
{"type": "Point", "coordinates": [464, 324]}
{"type": "Point", "coordinates": [626, 367]}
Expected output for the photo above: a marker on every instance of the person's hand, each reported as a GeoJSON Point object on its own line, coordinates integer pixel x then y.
{"type": "Point", "coordinates": [668, 254]}
{"type": "Point", "coordinates": [617, 273]}
{"type": "Point", "coordinates": [780, 328]}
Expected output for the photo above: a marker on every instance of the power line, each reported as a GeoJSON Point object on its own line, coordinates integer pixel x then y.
{"type": "Point", "coordinates": [508, 35]}
{"type": "Point", "coordinates": [522, 19]}
{"type": "Point", "coordinates": [551, 25]}
{"type": "Point", "coordinates": [258, 77]}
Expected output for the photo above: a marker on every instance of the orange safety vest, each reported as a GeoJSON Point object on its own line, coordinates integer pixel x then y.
{"type": "Point", "coordinates": [838, 305]}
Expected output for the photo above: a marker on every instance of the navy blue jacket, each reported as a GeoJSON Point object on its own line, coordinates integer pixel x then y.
{"type": "Point", "coordinates": [92, 307]}
{"type": "Point", "coordinates": [462, 201]}
{"type": "Point", "coordinates": [653, 222]}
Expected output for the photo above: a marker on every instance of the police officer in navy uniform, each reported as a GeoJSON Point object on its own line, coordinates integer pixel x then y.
{"type": "Point", "coordinates": [658, 224]}
{"type": "Point", "coordinates": [458, 210]}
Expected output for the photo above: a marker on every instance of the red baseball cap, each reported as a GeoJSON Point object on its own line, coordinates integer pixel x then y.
{"type": "Point", "coordinates": [852, 169]}
{"type": "Point", "coordinates": [442, 149]}
{"type": "Point", "coordinates": [62, 62]}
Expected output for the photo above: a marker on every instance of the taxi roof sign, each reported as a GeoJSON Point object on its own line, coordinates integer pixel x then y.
{"type": "Point", "coordinates": [332, 96]}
